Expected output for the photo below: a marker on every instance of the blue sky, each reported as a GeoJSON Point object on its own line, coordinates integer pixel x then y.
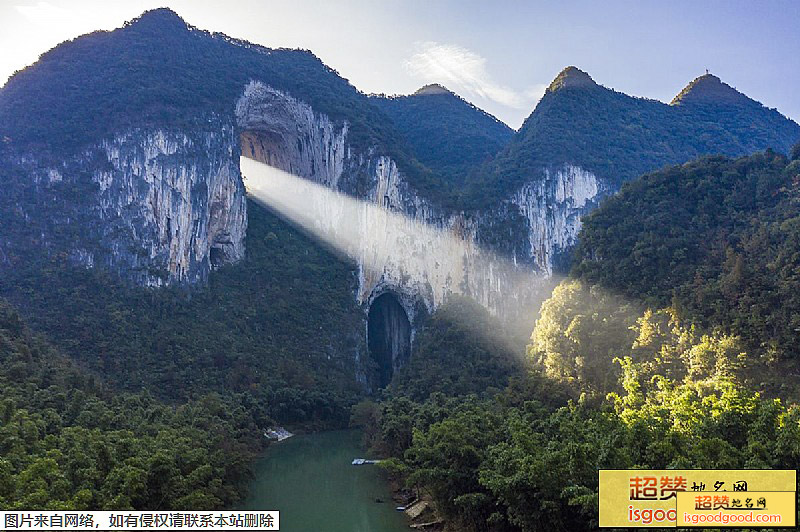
{"type": "Point", "coordinates": [499, 55]}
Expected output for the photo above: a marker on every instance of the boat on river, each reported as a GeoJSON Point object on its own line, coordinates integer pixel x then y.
{"type": "Point", "coordinates": [364, 461]}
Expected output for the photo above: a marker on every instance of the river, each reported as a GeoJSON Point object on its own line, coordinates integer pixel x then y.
{"type": "Point", "coordinates": [310, 480]}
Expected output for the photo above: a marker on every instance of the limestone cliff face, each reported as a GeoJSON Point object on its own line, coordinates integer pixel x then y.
{"type": "Point", "coordinates": [498, 256]}
{"type": "Point", "coordinates": [423, 253]}
{"type": "Point", "coordinates": [552, 208]}
{"type": "Point", "coordinates": [155, 206]}
{"type": "Point", "coordinates": [285, 133]}
{"type": "Point", "coordinates": [164, 206]}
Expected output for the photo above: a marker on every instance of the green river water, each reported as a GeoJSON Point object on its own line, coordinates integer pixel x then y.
{"type": "Point", "coordinates": [309, 479]}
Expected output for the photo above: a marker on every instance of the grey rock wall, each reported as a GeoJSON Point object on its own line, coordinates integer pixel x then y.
{"type": "Point", "coordinates": [424, 253]}
{"type": "Point", "coordinates": [165, 206]}
{"type": "Point", "coordinates": [155, 206]}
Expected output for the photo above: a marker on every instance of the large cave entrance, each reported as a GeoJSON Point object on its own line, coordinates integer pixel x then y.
{"type": "Point", "coordinates": [388, 336]}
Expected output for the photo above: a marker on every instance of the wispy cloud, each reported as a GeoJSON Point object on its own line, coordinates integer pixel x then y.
{"type": "Point", "coordinates": [465, 72]}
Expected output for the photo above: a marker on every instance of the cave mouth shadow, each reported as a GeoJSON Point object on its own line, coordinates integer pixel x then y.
{"type": "Point", "coordinates": [388, 336]}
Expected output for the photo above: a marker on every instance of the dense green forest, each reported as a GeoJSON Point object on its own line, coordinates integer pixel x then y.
{"type": "Point", "coordinates": [461, 350]}
{"type": "Point", "coordinates": [618, 137]}
{"type": "Point", "coordinates": [622, 371]}
{"type": "Point", "coordinates": [446, 133]}
{"type": "Point", "coordinates": [68, 441]}
{"type": "Point", "coordinates": [268, 329]}
{"type": "Point", "coordinates": [158, 398]}
{"type": "Point", "coordinates": [718, 239]}
{"type": "Point", "coordinates": [527, 458]}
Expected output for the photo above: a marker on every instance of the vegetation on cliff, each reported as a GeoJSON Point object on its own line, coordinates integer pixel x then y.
{"type": "Point", "coordinates": [158, 71]}
{"type": "Point", "coordinates": [269, 328]}
{"type": "Point", "coordinates": [162, 400]}
{"type": "Point", "coordinates": [461, 350]}
{"type": "Point", "coordinates": [719, 239]}
{"type": "Point", "coordinates": [652, 364]}
{"type": "Point", "coordinates": [667, 347]}
{"type": "Point", "coordinates": [526, 459]}
{"type": "Point", "coordinates": [618, 137]}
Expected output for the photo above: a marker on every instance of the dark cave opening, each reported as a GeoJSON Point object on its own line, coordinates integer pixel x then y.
{"type": "Point", "coordinates": [388, 336]}
{"type": "Point", "coordinates": [216, 256]}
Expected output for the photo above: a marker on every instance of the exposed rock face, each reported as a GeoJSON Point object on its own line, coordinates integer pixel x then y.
{"type": "Point", "coordinates": [426, 253]}
{"type": "Point", "coordinates": [155, 206]}
{"type": "Point", "coordinates": [162, 206]}
{"type": "Point", "coordinates": [182, 197]}
{"type": "Point", "coordinates": [553, 208]}
{"type": "Point", "coordinates": [165, 206]}
{"type": "Point", "coordinates": [285, 133]}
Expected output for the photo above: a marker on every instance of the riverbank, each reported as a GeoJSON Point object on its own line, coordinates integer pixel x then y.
{"type": "Point", "coordinates": [420, 511]}
{"type": "Point", "coordinates": [310, 479]}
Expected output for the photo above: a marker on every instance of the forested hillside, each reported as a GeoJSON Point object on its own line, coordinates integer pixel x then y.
{"type": "Point", "coordinates": [162, 400]}
{"type": "Point", "coordinates": [526, 459]}
{"type": "Point", "coordinates": [70, 442]}
{"type": "Point", "coordinates": [462, 350]}
{"type": "Point", "coordinates": [446, 133]}
{"type": "Point", "coordinates": [719, 239]}
{"type": "Point", "coordinates": [158, 71]}
{"type": "Point", "coordinates": [271, 331]}
{"type": "Point", "coordinates": [618, 137]}
{"type": "Point", "coordinates": [110, 82]}
{"type": "Point", "coordinates": [674, 342]}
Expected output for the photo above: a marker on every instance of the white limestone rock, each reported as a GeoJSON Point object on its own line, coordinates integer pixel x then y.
{"type": "Point", "coordinates": [421, 267]}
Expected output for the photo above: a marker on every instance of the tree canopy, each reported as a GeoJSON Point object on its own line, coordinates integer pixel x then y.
{"type": "Point", "coordinates": [618, 137]}
{"type": "Point", "coordinates": [718, 238]}
{"type": "Point", "coordinates": [645, 358]}
{"type": "Point", "coordinates": [69, 442]}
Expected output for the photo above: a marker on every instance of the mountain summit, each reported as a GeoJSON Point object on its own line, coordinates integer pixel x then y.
{"type": "Point", "coordinates": [433, 88]}
{"type": "Point", "coordinates": [708, 88]}
{"type": "Point", "coordinates": [571, 77]}
{"type": "Point", "coordinates": [158, 20]}
{"type": "Point", "coordinates": [617, 137]}
{"type": "Point", "coordinates": [446, 133]}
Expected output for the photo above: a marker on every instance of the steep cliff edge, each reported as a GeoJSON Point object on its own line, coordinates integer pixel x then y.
{"type": "Point", "coordinates": [146, 181]}
{"type": "Point", "coordinates": [401, 241]}
{"type": "Point", "coordinates": [583, 141]}
{"type": "Point", "coordinates": [121, 148]}
{"type": "Point", "coordinates": [156, 206]}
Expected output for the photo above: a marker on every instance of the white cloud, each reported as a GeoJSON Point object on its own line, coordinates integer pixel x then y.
{"type": "Point", "coordinates": [464, 72]}
{"type": "Point", "coordinates": [44, 11]}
